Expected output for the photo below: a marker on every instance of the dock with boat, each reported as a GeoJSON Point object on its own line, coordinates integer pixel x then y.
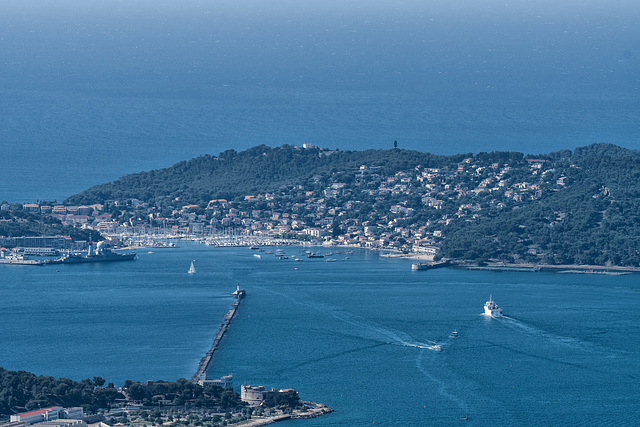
{"type": "Point", "coordinates": [201, 372]}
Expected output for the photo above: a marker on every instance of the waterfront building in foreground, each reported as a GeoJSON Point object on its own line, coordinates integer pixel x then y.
{"type": "Point", "coordinates": [225, 381]}
{"type": "Point", "coordinates": [51, 413]}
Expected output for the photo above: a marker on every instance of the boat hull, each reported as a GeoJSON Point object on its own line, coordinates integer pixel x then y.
{"type": "Point", "coordinates": [417, 266]}
{"type": "Point", "coordinates": [493, 313]}
{"type": "Point", "coordinates": [95, 258]}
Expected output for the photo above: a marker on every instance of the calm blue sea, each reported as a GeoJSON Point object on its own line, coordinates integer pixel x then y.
{"type": "Point", "coordinates": [91, 91]}
{"type": "Point", "coordinates": [351, 334]}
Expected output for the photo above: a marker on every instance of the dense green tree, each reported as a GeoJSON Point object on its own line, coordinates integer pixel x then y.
{"type": "Point", "coordinates": [229, 399]}
{"type": "Point", "coordinates": [20, 223]}
{"type": "Point", "coordinates": [287, 398]}
{"type": "Point", "coordinates": [258, 169]}
{"type": "Point", "coordinates": [136, 391]}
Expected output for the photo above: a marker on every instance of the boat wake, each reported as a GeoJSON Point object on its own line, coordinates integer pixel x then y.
{"type": "Point", "coordinates": [569, 342]}
{"type": "Point", "coordinates": [441, 386]}
{"type": "Point", "coordinates": [376, 332]}
{"type": "Point", "coordinates": [582, 353]}
{"type": "Point", "coordinates": [434, 347]}
{"type": "Point", "coordinates": [305, 363]}
{"type": "Point", "coordinates": [363, 328]}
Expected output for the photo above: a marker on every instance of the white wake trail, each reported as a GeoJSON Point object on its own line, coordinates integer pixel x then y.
{"type": "Point", "coordinates": [441, 386]}
{"type": "Point", "coordinates": [569, 342]}
{"type": "Point", "coordinates": [367, 329]}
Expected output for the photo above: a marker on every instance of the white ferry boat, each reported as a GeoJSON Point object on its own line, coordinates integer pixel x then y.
{"type": "Point", "coordinates": [492, 309]}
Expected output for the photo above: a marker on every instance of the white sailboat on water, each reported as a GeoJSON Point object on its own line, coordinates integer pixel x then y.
{"type": "Point", "coordinates": [192, 269]}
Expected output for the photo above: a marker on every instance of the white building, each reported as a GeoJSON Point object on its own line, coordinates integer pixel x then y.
{"type": "Point", "coordinates": [52, 414]}
{"type": "Point", "coordinates": [39, 415]}
{"type": "Point", "coordinates": [224, 382]}
{"type": "Point", "coordinates": [428, 250]}
{"type": "Point", "coordinates": [61, 423]}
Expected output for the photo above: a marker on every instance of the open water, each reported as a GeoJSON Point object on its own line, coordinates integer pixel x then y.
{"type": "Point", "coordinates": [353, 334]}
{"type": "Point", "coordinates": [91, 91]}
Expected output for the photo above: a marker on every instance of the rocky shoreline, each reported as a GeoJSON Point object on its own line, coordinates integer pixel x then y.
{"type": "Point", "coordinates": [613, 270]}
{"type": "Point", "coordinates": [560, 268]}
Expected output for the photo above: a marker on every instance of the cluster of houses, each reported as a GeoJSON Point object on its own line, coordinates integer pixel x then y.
{"type": "Point", "coordinates": [408, 210]}
{"type": "Point", "coordinates": [68, 215]}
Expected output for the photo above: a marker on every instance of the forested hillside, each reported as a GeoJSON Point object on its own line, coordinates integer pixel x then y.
{"type": "Point", "coordinates": [20, 390]}
{"type": "Point", "coordinates": [567, 207]}
{"type": "Point", "coordinates": [27, 224]}
{"type": "Point", "coordinates": [24, 391]}
{"type": "Point", "coordinates": [257, 170]}
{"type": "Point", "coordinates": [594, 220]}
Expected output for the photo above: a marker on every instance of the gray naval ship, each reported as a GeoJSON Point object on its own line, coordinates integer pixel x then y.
{"type": "Point", "coordinates": [99, 254]}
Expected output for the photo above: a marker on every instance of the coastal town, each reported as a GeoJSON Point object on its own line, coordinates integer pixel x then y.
{"type": "Point", "coordinates": [407, 210]}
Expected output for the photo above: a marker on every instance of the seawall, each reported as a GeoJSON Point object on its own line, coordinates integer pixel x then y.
{"type": "Point", "coordinates": [201, 372]}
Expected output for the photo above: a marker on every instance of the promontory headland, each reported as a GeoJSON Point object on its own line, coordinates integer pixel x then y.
{"type": "Point", "coordinates": [575, 207]}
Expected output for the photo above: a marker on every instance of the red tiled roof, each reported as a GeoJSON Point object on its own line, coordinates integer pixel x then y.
{"type": "Point", "coordinates": [39, 411]}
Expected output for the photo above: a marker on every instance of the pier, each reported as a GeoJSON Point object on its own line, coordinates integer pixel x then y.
{"type": "Point", "coordinates": [201, 373]}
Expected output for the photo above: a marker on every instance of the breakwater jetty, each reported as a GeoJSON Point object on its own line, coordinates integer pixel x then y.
{"type": "Point", "coordinates": [201, 373]}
